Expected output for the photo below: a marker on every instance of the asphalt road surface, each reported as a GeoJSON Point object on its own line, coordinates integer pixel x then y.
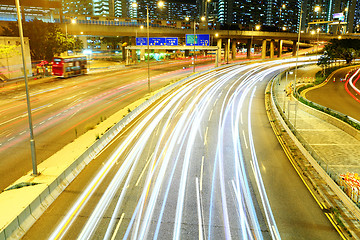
{"type": "Point", "coordinates": [333, 95]}
{"type": "Point", "coordinates": [63, 109]}
{"type": "Point", "coordinates": [201, 163]}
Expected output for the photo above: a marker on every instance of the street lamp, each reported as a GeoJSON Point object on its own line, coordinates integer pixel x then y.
{"type": "Point", "coordinates": [281, 8]}
{"type": "Point", "coordinates": [72, 21]}
{"type": "Point", "coordinates": [160, 5]}
{"type": "Point", "coordinates": [257, 28]}
{"type": "Point", "coordinates": [194, 38]}
{"type": "Point", "coordinates": [32, 140]}
{"type": "Point", "coordinates": [297, 49]}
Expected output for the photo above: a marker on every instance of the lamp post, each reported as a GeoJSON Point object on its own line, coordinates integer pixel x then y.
{"type": "Point", "coordinates": [72, 21]}
{"type": "Point", "coordinates": [32, 140]}
{"type": "Point", "coordinates": [194, 39]}
{"type": "Point", "coordinates": [297, 49]}
{"type": "Point", "coordinates": [134, 5]}
{"type": "Point", "coordinates": [281, 8]}
{"type": "Point", "coordinates": [257, 28]}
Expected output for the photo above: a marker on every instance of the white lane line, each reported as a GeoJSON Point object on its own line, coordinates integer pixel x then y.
{"type": "Point", "coordinates": [117, 226]}
{"type": "Point", "coordinates": [245, 139]}
{"type": "Point", "coordinates": [42, 122]}
{"type": "Point", "coordinates": [22, 132]}
{"type": "Point", "coordinates": [210, 114]}
{"type": "Point", "coordinates": [205, 137]}
{"type": "Point", "coordinates": [143, 171]}
{"type": "Point", "coordinates": [199, 210]}
{"type": "Point", "coordinates": [201, 172]}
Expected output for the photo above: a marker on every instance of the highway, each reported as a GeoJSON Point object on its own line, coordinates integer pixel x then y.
{"type": "Point", "coordinates": [200, 163]}
{"type": "Point", "coordinates": [334, 95]}
{"type": "Point", "coordinates": [63, 109]}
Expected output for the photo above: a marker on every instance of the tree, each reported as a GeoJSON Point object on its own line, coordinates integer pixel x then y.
{"type": "Point", "coordinates": [347, 49]}
{"type": "Point", "coordinates": [46, 39]}
{"type": "Point", "coordinates": [324, 61]}
{"type": "Point", "coordinates": [112, 41]}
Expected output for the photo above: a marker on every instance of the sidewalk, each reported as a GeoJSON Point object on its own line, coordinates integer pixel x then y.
{"type": "Point", "coordinates": [337, 151]}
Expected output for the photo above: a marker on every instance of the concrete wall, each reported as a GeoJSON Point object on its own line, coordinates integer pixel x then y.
{"type": "Point", "coordinates": [11, 66]}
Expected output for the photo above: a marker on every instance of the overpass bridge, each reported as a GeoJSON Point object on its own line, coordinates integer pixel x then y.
{"type": "Point", "coordinates": [269, 41]}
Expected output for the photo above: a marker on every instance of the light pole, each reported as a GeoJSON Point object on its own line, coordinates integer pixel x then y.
{"type": "Point", "coordinates": [32, 140]}
{"type": "Point", "coordinates": [72, 21]}
{"type": "Point", "coordinates": [297, 49]}
{"type": "Point", "coordinates": [281, 8]}
{"type": "Point", "coordinates": [194, 38]}
{"type": "Point", "coordinates": [257, 28]}
{"type": "Point", "coordinates": [135, 5]}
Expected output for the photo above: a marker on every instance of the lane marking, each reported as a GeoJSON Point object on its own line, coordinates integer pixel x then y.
{"type": "Point", "coordinates": [201, 172]}
{"type": "Point", "coordinates": [118, 226]}
{"type": "Point", "coordinates": [143, 171]}
{"type": "Point", "coordinates": [243, 132]}
{"type": "Point", "coordinates": [201, 237]}
{"type": "Point", "coordinates": [205, 137]}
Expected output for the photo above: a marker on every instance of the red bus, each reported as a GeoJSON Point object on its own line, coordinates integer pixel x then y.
{"type": "Point", "coordinates": [69, 66]}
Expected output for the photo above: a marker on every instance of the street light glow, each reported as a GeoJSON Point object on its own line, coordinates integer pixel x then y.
{"type": "Point", "coordinates": [134, 5]}
{"type": "Point", "coordinates": [202, 18]}
{"type": "Point", "coordinates": [283, 6]}
{"type": "Point", "coordinates": [216, 34]}
{"type": "Point", "coordinates": [312, 32]}
{"type": "Point", "coordinates": [73, 21]}
{"type": "Point", "coordinates": [317, 9]}
{"type": "Point", "coordinates": [187, 19]}
{"type": "Point", "coordinates": [141, 26]}
{"type": "Point", "coordinates": [161, 4]}
{"type": "Point", "coordinates": [257, 27]}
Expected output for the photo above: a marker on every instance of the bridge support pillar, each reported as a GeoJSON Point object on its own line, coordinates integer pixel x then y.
{"type": "Point", "coordinates": [133, 51]}
{"type": "Point", "coordinates": [218, 52]}
{"type": "Point", "coordinates": [227, 50]}
{"type": "Point", "coordinates": [280, 48]}
{"type": "Point", "coordinates": [84, 40]}
{"type": "Point", "coordinates": [142, 55]}
{"type": "Point", "coordinates": [233, 49]}
{"type": "Point", "coordinates": [263, 49]}
{"type": "Point", "coordinates": [248, 48]}
{"type": "Point", "coordinates": [272, 48]}
{"type": "Point", "coordinates": [294, 48]}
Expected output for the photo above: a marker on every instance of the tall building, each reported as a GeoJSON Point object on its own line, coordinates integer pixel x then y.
{"type": "Point", "coordinates": [81, 7]}
{"type": "Point", "coordinates": [333, 16]}
{"type": "Point", "coordinates": [356, 25]}
{"type": "Point", "coordinates": [40, 9]}
{"type": "Point", "coordinates": [103, 8]}
{"type": "Point", "coordinates": [248, 13]}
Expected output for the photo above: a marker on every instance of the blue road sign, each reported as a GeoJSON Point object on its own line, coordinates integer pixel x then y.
{"type": "Point", "coordinates": [159, 41]}
{"type": "Point", "coordinates": [141, 41]}
{"type": "Point", "coordinates": [200, 39]}
{"type": "Point", "coordinates": [172, 41]}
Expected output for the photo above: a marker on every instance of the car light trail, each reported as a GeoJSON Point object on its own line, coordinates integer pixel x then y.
{"type": "Point", "coordinates": [187, 160]}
